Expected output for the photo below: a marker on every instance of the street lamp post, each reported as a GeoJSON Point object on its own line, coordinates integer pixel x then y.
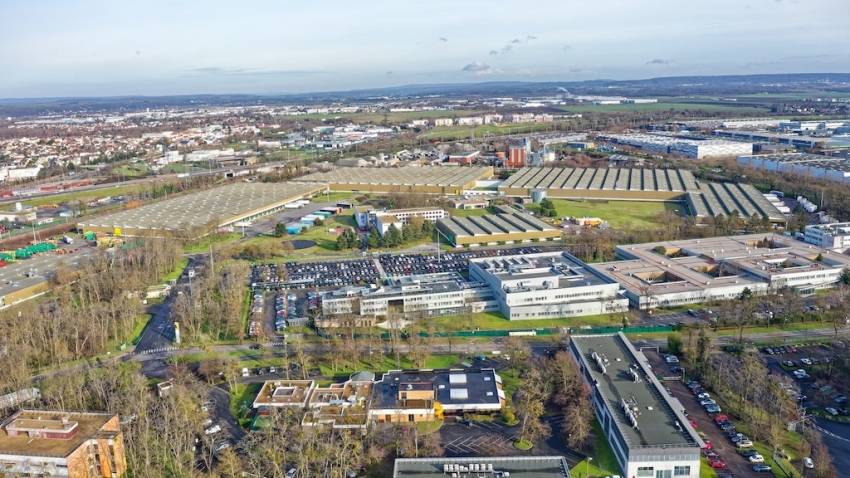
{"type": "Point", "coordinates": [587, 466]}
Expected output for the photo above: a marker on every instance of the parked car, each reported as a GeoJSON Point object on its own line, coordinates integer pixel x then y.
{"type": "Point", "coordinates": [757, 458]}
{"type": "Point", "coordinates": [717, 464]}
{"type": "Point", "coordinates": [808, 463]}
{"type": "Point", "coordinates": [213, 430]}
{"type": "Point", "coordinates": [760, 467]}
{"type": "Point", "coordinates": [744, 444]}
{"type": "Point", "coordinates": [831, 411]}
{"type": "Point", "coordinates": [714, 408]}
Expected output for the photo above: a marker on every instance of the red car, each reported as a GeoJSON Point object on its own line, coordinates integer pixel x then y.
{"type": "Point", "coordinates": [716, 464]}
{"type": "Point", "coordinates": [720, 418]}
{"type": "Point", "coordinates": [708, 445]}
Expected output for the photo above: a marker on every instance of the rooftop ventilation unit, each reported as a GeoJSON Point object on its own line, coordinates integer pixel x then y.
{"type": "Point", "coordinates": [599, 362]}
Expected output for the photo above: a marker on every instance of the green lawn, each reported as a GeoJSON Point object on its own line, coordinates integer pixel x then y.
{"type": "Point", "coordinates": [636, 214]}
{"type": "Point", "coordinates": [203, 244]}
{"type": "Point", "coordinates": [706, 471]}
{"type": "Point", "coordinates": [138, 328]}
{"type": "Point", "coordinates": [469, 212]}
{"type": "Point", "coordinates": [495, 321]}
{"type": "Point", "coordinates": [241, 400]}
{"type": "Point", "coordinates": [603, 464]}
{"type": "Point", "coordinates": [346, 367]}
{"type": "Point", "coordinates": [334, 196]}
{"type": "Point", "coordinates": [175, 274]}
{"type": "Point", "coordinates": [85, 196]}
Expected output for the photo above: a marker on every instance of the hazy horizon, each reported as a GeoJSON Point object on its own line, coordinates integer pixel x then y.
{"type": "Point", "coordinates": [55, 49]}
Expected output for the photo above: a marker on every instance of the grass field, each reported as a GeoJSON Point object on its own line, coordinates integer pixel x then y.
{"type": "Point", "coordinates": [452, 133]}
{"type": "Point", "coordinates": [469, 212]}
{"type": "Point", "coordinates": [661, 106]}
{"type": "Point", "coordinates": [347, 367]}
{"type": "Point", "coordinates": [495, 321]}
{"type": "Point", "coordinates": [390, 117]}
{"type": "Point", "coordinates": [635, 214]}
{"type": "Point", "coordinates": [203, 244]}
{"type": "Point", "coordinates": [175, 274]}
{"type": "Point", "coordinates": [85, 196]}
{"type": "Point", "coordinates": [603, 464]}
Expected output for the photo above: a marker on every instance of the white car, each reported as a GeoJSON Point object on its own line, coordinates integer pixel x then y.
{"type": "Point", "coordinates": [808, 463]}
{"type": "Point", "coordinates": [212, 430]}
{"type": "Point", "coordinates": [756, 459]}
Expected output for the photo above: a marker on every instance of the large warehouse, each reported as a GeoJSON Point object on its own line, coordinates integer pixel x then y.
{"type": "Point", "coordinates": [721, 199]}
{"type": "Point", "coordinates": [199, 213]}
{"type": "Point", "coordinates": [803, 164]}
{"type": "Point", "coordinates": [670, 273]}
{"type": "Point", "coordinates": [449, 180]}
{"type": "Point", "coordinates": [645, 426]}
{"type": "Point", "coordinates": [703, 199]}
{"type": "Point", "coordinates": [687, 147]}
{"type": "Point", "coordinates": [625, 184]}
{"type": "Point", "coordinates": [507, 226]}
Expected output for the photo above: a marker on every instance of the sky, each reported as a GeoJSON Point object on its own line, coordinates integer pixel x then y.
{"type": "Point", "coordinates": [54, 48]}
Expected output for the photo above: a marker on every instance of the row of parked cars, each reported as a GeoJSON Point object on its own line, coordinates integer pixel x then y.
{"type": "Point", "coordinates": [213, 431]}
{"type": "Point", "coordinates": [741, 442]}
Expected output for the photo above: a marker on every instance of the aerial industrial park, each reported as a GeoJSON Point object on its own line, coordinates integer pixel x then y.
{"type": "Point", "coordinates": [509, 269]}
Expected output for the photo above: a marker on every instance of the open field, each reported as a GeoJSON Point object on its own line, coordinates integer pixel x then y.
{"type": "Point", "coordinates": [389, 117]}
{"type": "Point", "coordinates": [636, 214]}
{"type": "Point", "coordinates": [662, 106]}
{"type": "Point", "coordinates": [451, 133]}
{"type": "Point", "coordinates": [85, 195]}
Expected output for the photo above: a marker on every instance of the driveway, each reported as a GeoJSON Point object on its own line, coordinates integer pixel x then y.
{"type": "Point", "coordinates": [736, 463]}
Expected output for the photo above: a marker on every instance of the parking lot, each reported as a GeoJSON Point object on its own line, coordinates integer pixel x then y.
{"type": "Point", "coordinates": [808, 366]}
{"type": "Point", "coordinates": [722, 450]}
{"type": "Point", "coordinates": [415, 264]}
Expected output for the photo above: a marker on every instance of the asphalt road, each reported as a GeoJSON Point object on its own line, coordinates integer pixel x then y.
{"type": "Point", "coordinates": [836, 436]}
{"type": "Point", "coordinates": [159, 332]}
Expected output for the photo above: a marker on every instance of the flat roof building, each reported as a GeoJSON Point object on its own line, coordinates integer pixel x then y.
{"type": "Point", "coordinates": [482, 467]}
{"type": "Point", "coordinates": [416, 395]}
{"type": "Point", "coordinates": [411, 179]}
{"type": "Point", "coordinates": [724, 199]}
{"type": "Point", "coordinates": [200, 213]}
{"type": "Point", "coordinates": [412, 296]}
{"type": "Point", "coordinates": [507, 226]}
{"type": "Point", "coordinates": [835, 236]}
{"type": "Point", "coordinates": [802, 142]}
{"type": "Point", "coordinates": [802, 164]}
{"type": "Point", "coordinates": [67, 444]}
{"type": "Point", "coordinates": [645, 426]}
{"type": "Point", "coordinates": [623, 184]}
{"type": "Point", "coordinates": [547, 285]}
{"type": "Point", "coordinates": [673, 273]}
{"type": "Point", "coordinates": [687, 147]}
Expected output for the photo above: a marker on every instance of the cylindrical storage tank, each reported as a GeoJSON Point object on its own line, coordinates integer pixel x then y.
{"type": "Point", "coordinates": [538, 195]}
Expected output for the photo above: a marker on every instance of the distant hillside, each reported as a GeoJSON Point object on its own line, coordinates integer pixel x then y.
{"type": "Point", "coordinates": [665, 86]}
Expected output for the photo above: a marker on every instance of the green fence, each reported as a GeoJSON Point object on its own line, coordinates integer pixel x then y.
{"type": "Point", "coordinates": [542, 332]}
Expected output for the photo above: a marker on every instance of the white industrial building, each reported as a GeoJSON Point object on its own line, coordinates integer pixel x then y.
{"type": "Point", "coordinates": [803, 164]}
{"type": "Point", "coordinates": [835, 236]}
{"type": "Point", "coordinates": [412, 296]}
{"type": "Point", "coordinates": [645, 426]}
{"type": "Point", "coordinates": [671, 273]}
{"type": "Point", "coordinates": [690, 148]}
{"type": "Point", "coordinates": [546, 285]}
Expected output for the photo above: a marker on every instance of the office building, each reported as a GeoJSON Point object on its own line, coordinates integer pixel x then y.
{"type": "Point", "coordinates": [547, 285]}
{"type": "Point", "coordinates": [670, 273]}
{"type": "Point", "coordinates": [412, 297]}
{"type": "Point", "coordinates": [483, 467]}
{"type": "Point", "coordinates": [423, 395]}
{"type": "Point", "coordinates": [645, 426]}
{"type": "Point", "coordinates": [835, 236]}
{"type": "Point", "coordinates": [48, 443]}
{"type": "Point", "coordinates": [506, 226]}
